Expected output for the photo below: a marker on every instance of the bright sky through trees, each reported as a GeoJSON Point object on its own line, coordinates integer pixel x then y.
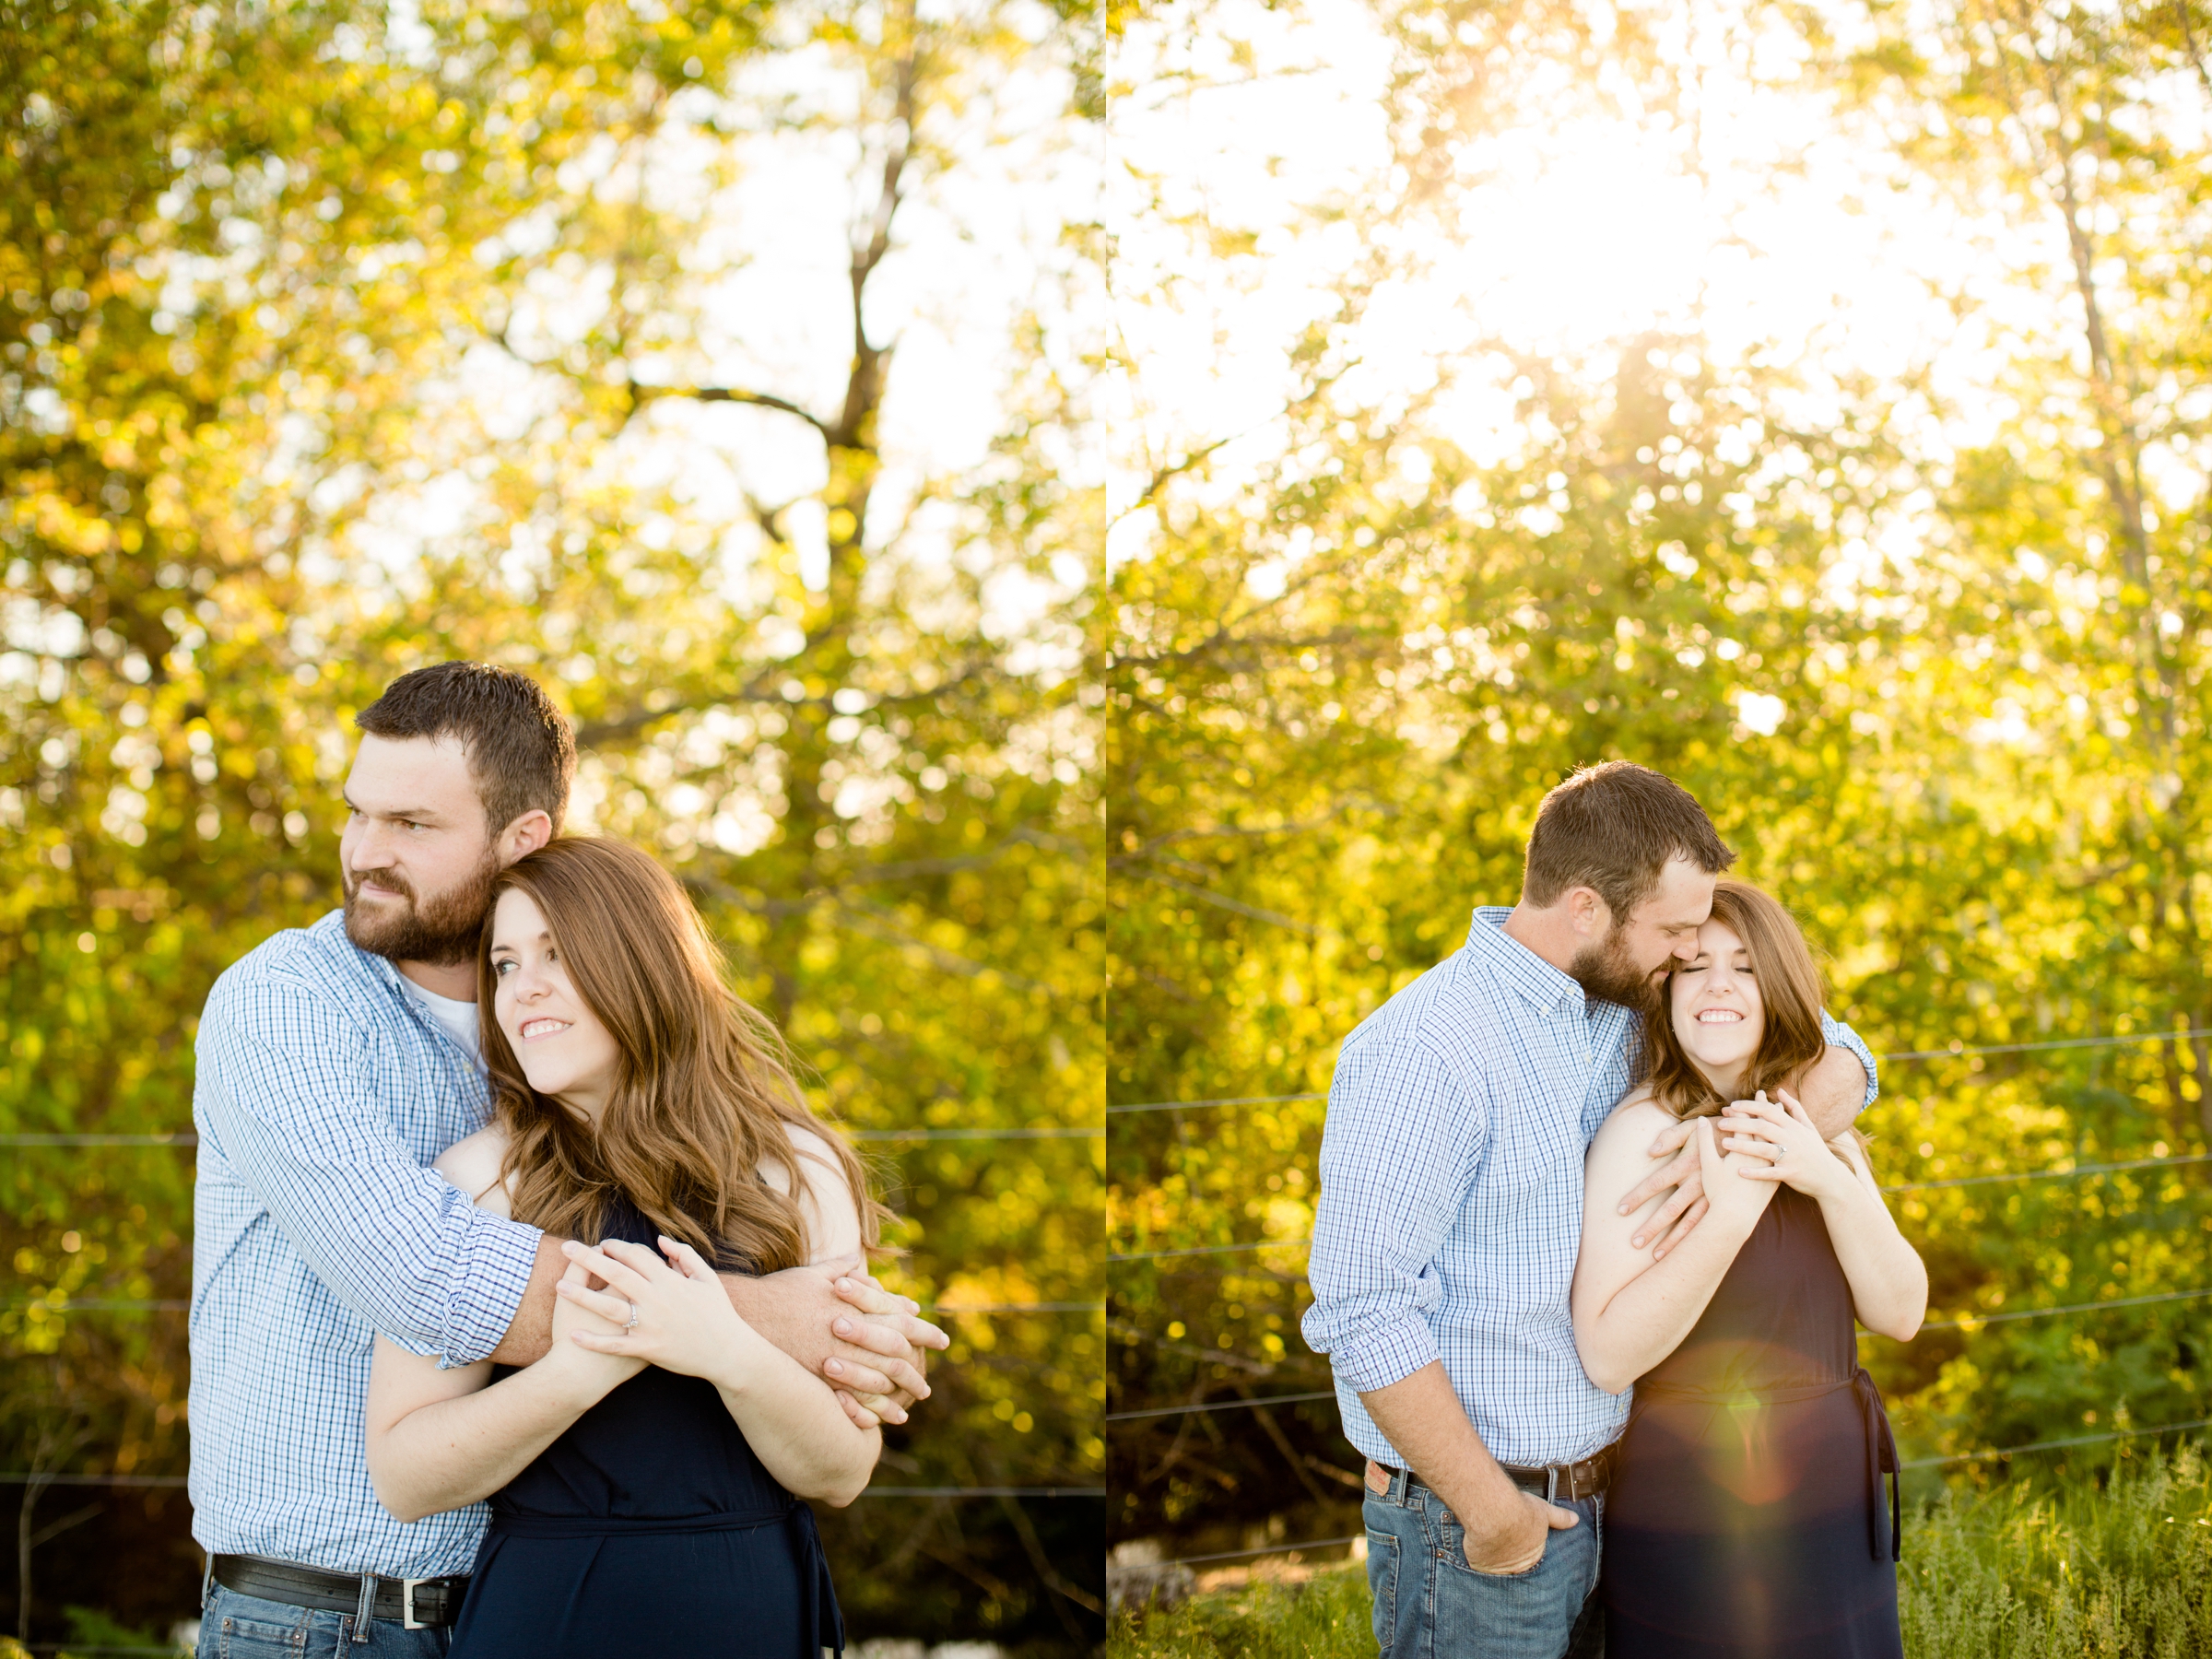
{"type": "Point", "coordinates": [1255, 173]}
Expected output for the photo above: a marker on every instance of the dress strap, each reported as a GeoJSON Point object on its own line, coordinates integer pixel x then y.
{"type": "Point", "coordinates": [1881, 1459]}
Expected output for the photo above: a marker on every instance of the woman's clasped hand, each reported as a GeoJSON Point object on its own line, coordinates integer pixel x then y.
{"type": "Point", "coordinates": [684, 1322]}
{"type": "Point", "coordinates": [1787, 1145]}
{"type": "Point", "coordinates": [579, 1315]}
{"type": "Point", "coordinates": [1733, 1183]}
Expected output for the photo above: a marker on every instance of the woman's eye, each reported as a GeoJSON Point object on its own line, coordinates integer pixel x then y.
{"type": "Point", "coordinates": [499, 970]}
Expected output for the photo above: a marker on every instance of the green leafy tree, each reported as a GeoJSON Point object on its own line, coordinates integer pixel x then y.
{"type": "Point", "coordinates": [334, 346]}
{"type": "Point", "coordinates": [1354, 655]}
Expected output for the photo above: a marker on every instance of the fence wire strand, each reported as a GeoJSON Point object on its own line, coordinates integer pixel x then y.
{"type": "Point", "coordinates": [1956, 1051]}
{"type": "Point", "coordinates": [1908, 1186]}
{"type": "Point", "coordinates": [185, 1137]}
{"type": "Point", "coordinates": [1918, 1463]}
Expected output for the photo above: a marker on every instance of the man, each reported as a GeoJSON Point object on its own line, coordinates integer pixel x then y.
{"type": "Point", "coordinates": [335, 1062]}
{"type": "Point", "coordinates": [1450, 1213]}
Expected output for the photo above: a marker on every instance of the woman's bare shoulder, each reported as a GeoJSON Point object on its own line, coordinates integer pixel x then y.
{"type": "Point", "coordinates": [472, 1165]}
{"type": "Point", "coordinates": [806, 1144]}
{"type": "Point", "coordinates": [1636, 1120]}
{"type": "Point", "coordinates": [826, 1202]}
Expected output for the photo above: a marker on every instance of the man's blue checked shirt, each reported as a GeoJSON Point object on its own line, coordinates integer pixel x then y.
{"type": "Point", "coordinates": [323, 1094]}
{"type": "Point", "coordinates": [1451, 1205]}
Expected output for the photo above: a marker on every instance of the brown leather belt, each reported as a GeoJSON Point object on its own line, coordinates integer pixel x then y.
{"type": "Point", "coordinates": [1555, 1481]}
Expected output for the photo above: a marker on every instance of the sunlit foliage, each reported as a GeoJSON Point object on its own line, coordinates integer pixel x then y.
{"type": "Point", "coordinates": [336, 343]}
{"type": "Point", "coordinates": [1929, 649]}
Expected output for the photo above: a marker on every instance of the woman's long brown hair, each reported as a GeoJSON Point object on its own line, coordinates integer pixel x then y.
{"type": "Point", "coordinates": [1790, 989]}
{"type": "Point", "coordinates": [704, 1090]}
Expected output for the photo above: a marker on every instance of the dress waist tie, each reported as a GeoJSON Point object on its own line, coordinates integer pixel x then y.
{"type": "Point", "coordinates": [1881, 1445]}
{"type": "Point", "coordinates": [1881, 1459]}
{"type": "Point", "coordinates": [821, 1617]}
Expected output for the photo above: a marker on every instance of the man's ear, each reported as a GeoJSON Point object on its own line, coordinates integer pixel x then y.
{"type": "Point", "coordinates": [1590, 914]}
{"type": "Point", "coordinates": [526, 834]}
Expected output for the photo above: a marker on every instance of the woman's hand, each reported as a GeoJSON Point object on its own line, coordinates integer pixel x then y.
{"type": "Point", "coordinates": [596, 1373]}
{"type": "Point", "coordinates": [1736, 1200]}
{"type": "Point", "coordinates": [684, 1321]}
{"type": "Point", "coordinates": [1792, 1149]}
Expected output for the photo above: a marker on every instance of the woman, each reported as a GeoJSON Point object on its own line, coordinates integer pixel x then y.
{"type": "Point", "coordinates": [1746, 1517]}
{"type": "Point", "coordinates": [643, 1475]}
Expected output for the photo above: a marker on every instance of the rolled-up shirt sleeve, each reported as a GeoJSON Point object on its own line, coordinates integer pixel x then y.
{"type": "Point", "coordinates": [1839, 1035]}
{"type": "Point", "coordinates": [1402, 1140]}
{"type": "Point", "coordinates": [286, 1090]}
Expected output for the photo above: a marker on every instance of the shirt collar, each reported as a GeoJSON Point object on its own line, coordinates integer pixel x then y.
{"type": "Point", "coordinates": [332, 929]}
{"type": "Point", "coordinates": [1544, 986]}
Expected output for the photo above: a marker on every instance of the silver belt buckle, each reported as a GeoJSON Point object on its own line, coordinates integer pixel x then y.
{"type": "Point", "coordinates": [408, 1621]}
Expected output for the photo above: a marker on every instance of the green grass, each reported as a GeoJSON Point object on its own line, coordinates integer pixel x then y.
{"type": "Point", "coordinates": [2028, 1570]}
{"type": "Point", "coordinates": [1325, 1618]}
{"type": "Point", "coordinates": [2070, 1569]}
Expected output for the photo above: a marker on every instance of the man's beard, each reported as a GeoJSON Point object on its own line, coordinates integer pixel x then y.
{"type": "Point", "coordinates": [444, 932]}
{"type": "Point", "coordinates": [1606, 971]}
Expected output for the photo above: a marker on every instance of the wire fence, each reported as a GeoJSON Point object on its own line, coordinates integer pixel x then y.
{"type": "Point", "coordinates": [1918, 1463]}
{"type": "Point", "coordinates": [185, 1137]}
{"type": "Point", "coordinates": [1968, 1322]}
{"type": "Point", "coordinates": [1971, 1322]}
{"type": "Point", "coordinates": [31, 1477]}
{"type": "Point", "coordinates": [58, 1307]}
{"type": "Point", "coordinates": [1908, 1186]}
{"type": "Point", "coordinates": [70, 1304]}
{"type": "Point", "coordinates": [1955, 1051]}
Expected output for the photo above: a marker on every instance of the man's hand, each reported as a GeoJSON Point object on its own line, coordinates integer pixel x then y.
{"type": "Point", "coordinates": [838, 1323]}
{"type": "Point", "coordinates": [1682, 1172]}
{"type": "Point", "coordinates": [1516, 1543]}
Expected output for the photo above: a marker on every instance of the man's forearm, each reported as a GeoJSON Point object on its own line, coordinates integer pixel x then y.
{"type": "Point", "coordinates": [1833, 1090]}
{"type": "Point", "coordinates": [1422, 1418]}
{"type": "Point", "coordinates": [530, 1334]}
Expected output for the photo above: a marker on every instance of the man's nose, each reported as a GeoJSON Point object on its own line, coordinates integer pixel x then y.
{"type": "Point", "coordinates": [369, 851]}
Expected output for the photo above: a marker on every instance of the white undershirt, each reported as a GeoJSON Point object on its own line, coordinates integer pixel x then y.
{"type": "Point", "coordinates": [458, 1019]}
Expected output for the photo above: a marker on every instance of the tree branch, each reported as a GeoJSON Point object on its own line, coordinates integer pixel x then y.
{"type": "Point", "coordinates": [638, 393]}
{"type": "Point", "coordinates": [763, 689]}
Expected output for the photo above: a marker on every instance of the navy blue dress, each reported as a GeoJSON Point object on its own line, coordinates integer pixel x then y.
{"type": "Point", "coordinates": [1746, 1519]}
{"type": "Point", "coordinates": [648, 1528]}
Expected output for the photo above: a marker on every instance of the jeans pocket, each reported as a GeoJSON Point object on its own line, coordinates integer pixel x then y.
{"type": "Point", "coordinates": [246, 1626]}
{"type": "Point", "coordinates": [1383, 1554]}
{"type": "Point", "coordinates": [1450, 1546]}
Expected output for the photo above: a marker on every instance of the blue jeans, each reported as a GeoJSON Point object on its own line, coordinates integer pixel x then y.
{"type": "Point", "coordinates": [244, 1627]}
{"type": "Point", "coordinates": [1430, 1605]}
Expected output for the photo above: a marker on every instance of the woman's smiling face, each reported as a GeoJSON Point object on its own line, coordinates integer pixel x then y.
{"type": "Point", "coordinates": [563, 1049]}
{"type": "Point", "coordinates": [1714, 1003]}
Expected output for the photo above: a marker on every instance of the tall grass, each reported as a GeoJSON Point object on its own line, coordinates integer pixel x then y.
{"type": "Point", "coordinates": [2059, 1568]}
{"type": "Point", "coordinates": [2034, 1569]}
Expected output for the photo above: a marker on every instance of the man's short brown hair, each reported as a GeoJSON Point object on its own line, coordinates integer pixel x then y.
{"type": "Point", "coordinates": [1613, 827]}
{"type": "Point", "coordinates": [522, 750]}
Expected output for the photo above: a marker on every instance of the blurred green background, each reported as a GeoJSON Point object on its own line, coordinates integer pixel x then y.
{"type": "Point", "coordinates": [335, 340]}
